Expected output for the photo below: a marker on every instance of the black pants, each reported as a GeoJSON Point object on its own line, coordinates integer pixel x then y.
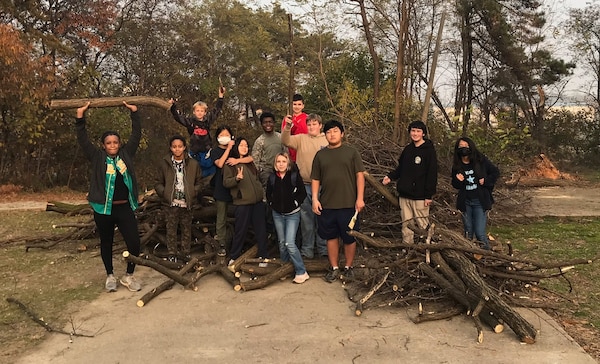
{"type": "Point", "coordinates": [244, 215]}
{"type": "Point", "coordinates": [123, 217]}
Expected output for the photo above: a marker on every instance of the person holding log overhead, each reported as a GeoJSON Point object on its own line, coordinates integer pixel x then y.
{"type": "Point", "coordinates": [198, 126]}
{"type": "Point", "coordinates": [113, 192]}
{"type": "Point", "coordinates": [178, 182]}
{"type": "Point", "coordinates": [247, 193]}
{"type": "Point", "coordinates": [474, 176]}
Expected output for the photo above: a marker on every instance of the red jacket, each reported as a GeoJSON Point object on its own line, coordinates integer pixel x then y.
{"type": "Point", "coordinates": [298, 127]}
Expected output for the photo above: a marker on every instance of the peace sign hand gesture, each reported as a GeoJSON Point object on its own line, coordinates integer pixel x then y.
{"type": "Point", "coordinates": [240, 173]}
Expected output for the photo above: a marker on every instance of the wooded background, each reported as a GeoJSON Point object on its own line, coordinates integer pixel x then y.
{"type": "Point", "coordinates": [364, 62]}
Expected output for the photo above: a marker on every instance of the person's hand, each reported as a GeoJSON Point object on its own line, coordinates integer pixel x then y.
{"type": "Point", "coordinates": [288, 120]}
{"type": "Point", "coordinates": [316, 207]}
{"type": "Point", "coordinates": [171, 101]}
{"type": "Point", "coordinates": [460, 177]}
{"type": "Point", "coordinates": [232, 161]}
{"type": "Point", "coordinates": [428, 202]}
{"type": "Point", "coordinates": [240, 173]}
{"type": "Point", "coordinates": [359, 205]}
{"type": "Point", "coordinates": [481, 181]}
{"type": "Point", "coordinates": [81, 110]}
{"type": "Point", "coordinates": [133, 108]}
{"type": "Point", "coordinates": [221, 91]}
{"type": "Point", "coordinates": [386, 180]}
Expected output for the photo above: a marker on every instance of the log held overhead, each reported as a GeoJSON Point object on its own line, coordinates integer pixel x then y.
{"type": "Point", "coordinates": [110, 102]}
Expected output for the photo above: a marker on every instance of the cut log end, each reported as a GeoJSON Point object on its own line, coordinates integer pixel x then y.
{"type": "Point", "coordinates": [126, 254]}
{"type": "Point", "coordinates": [140, 303]}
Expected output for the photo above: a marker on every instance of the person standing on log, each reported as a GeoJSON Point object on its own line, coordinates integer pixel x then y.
{"type": "Point", "coordinates": [222, 156]}
{"type": "Point", "coordinates": [417, 180]}
{"type": "Point", "coordinates": [285, 194]}
{"type": "Point", "coordinates": [266, 147]}
{"type": "Point", "coordinates": [298, 120]}
{"type": "Point", "coordinates": [113, 192]}
{"type": "Point", "coordinates": [178, 182]}
{"type": "Point", "coordinates": [247, 193]}
{"type": "Point", "coordinates": [307, 146]}
{"type": "Point", "coordinates": [474, 176]}
{"type": "Point", "coordinates": [198, 126]}
{"type": "Point", "coordinates": [338, 172]}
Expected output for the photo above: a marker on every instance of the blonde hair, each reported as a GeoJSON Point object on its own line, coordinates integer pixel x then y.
{"type": "Point", "coordinates": [201, 104]}
{"type": "Point", "coordinates": [287, 157]}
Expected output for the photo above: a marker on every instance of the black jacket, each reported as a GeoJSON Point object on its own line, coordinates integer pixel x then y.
{"type": "Point", "coordinates": [165, 180]}
{"type": "Point", "coordinates": [486, 170]}
{"type": "Point", "coordinates": [200, 140]}
{"type": "Point", "coordinates": [417, 172]}
{"type": "Point", "coordinates": [284, 196]}
{"type": "Point", "coordinates": [97, 157]}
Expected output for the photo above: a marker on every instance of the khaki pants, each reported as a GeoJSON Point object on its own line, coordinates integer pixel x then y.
{"type": "Point", "coordinates": [412, 210]}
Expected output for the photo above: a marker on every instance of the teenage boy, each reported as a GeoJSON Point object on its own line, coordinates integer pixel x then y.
{"type": "Point", "coordinates": [417, 179]}
{"type": "Point", "coordinates": [298, 120]}
{"type": "Point", "coordinates": [338, 171]}
{"type": "Point", "coordinates": [307, 146]}
{"type": "Point", "coordinates": [266, 147]}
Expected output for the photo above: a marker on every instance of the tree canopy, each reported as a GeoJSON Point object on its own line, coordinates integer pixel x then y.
{"type": "Point", "coordinates": [364, 62]}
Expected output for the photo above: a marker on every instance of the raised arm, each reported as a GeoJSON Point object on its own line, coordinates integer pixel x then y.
{"type": "Point", "coordinates": [82, 137]}
{"type": "Point", "coordinates": [136, 130]}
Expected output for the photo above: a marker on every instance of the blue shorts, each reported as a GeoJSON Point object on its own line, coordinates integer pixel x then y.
{"type": "Point", "coordinates": [333, 223]}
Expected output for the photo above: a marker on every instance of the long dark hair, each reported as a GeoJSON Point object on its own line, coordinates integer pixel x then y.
{"type": "Point", "coordinates": [235, 153]}
{"type": "Point", "coordinates": [476, 157]}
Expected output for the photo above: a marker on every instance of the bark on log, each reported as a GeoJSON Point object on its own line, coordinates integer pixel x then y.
{"type": "Point", "coordinates": [233, 267]}
{"type": "Point", "coordinates": [158, 267]}
{"type": "Point", "coordinates": [230, 278]}
{"type": "Point", "coordinates": [58, 104]}
{"type": "Point", "coordinates": [359, 305]}
{"type": "Point", "coordinates": [69, 209]}
{"type": "Point", "coordinates": [284, 270]}
{"type": "Point", "coordinates": [166, 285]}
{"type": "Point", "coordinates": [522, 328]}
{"type": "Point", "coordinates": [384, 191]}
{"type": "Point", "coordinates": [460, 296]}
{"type": "Point", "coordinates": [201, 273]}
{"type": "Point", "coordinates": [455, 311]}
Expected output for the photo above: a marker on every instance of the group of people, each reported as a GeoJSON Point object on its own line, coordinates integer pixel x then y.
{"type": "Point", "coordinates": [303, 179]}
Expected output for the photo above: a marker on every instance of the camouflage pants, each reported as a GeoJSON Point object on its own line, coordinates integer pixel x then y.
{"type": "Point", "coordinates": [182, 217]}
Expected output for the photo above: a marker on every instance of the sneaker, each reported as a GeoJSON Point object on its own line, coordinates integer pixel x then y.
{"type": "Point", "coordinates": [130, 282]}
{"type": "Point", "coordinates": [172, 258]}
{"type": "Point", "coordinates": [348, 274]}
{"type": "Point", "coordinates": [301, 278]}
{"type": "Point", "coordinates": [332, 275]}
{"type": "Point", "coordinates": [111, 283]}
{"type": "Point", "coordinates": [231, 261]}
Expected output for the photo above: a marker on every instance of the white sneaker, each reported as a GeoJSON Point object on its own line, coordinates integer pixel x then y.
{"type": "Point", "coordinates": [131, 283]}
{"type": "Point", "coordinates": [111, 283]}
{"type": "Point", "coordinates": [301, 278]}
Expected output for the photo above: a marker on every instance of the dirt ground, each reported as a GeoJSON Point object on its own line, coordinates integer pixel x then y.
{"type": "Point", "coordinates": [565, 201]}
{"type": "Point", "coordinates": [288, 323]}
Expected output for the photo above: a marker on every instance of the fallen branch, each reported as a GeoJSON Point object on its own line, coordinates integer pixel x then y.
{"type": "Point", "coordinates": [40, 321]}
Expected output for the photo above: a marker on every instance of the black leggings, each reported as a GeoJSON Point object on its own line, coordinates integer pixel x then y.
{"type": "Point", "coordinates": [123, 217]}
